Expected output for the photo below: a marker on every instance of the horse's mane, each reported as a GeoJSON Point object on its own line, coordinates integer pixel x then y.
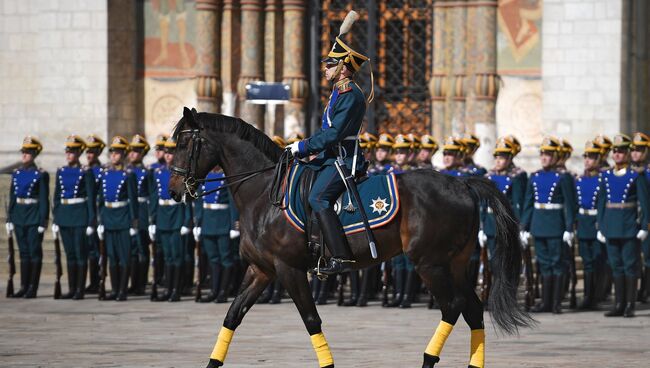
{"type": "Point", "coordinates": [240, 128]}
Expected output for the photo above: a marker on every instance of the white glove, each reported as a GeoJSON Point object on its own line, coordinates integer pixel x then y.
{"type": "Point", "coordinates": [567, 237]}
{"type": "Point", "coordinates": [295, 147]}
{"type": "Point", "coordinates": [10, 227]}
{"type": "Point", "coordinates": [234, 234]}
{"type": "Point", "coordinates": [185, 230]}
{"type": "Point", "coordinates": [41, 229]}
{"type": "Point", "coordinates": [100, 232]}
{"type": "Point", "coordinates": [482, 238]}
{"type": "Point", "coordinates": [55, 230]}
{"type": "Point", "coordinates": [90, 230]}
{"type": "Point", "coordinates": [642, 234]}
{"type": "Point", "coordinates": [133, 232]}
{"type": "Point", "coordinates": [524, 236]}
{"type": "Point", "coordinates": [197, 233]}
{"type": "Point", "coordinates": [152, 232]}
{"type": "Point", "coordinates": [601, 238]}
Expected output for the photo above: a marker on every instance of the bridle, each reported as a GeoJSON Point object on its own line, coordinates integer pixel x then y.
{"type": "Point", "coordinates": [189, 172]}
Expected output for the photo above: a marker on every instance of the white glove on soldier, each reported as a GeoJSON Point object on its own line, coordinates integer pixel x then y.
{"type": "Point", "coordinates": [100, 232]}
{"type": "Point", "coordinates": [197, 233]}
{"type": "Point", "coordinates": [234, 234]}
{"type": "Point", "coordinates": [482, 238]}
{"type": "Point", "coordinates": [642, 234]}
{"type": "Point", "coordinates": [524, 236]}
{"type": "Point", "coordinates": [10, 227]}
{"type": "Point", "coordinates": [567, 237]}
{"type": "Point", "coordinates": [41, 229]}
{"type": "Point", "coordinates": [185, 230]}
{"type": "Point", "coordinates": [152, 232]}
{"type": "Point", "coordinates": [90, 230]}
{"type": "Point", "coordinates": [295, 147]}
{"type": "Point", "coordinates": [55, 230]}
{"type": "Point", "coordinates": [133, 232]}
{"type": "Point", "coordinates": [601, 238]}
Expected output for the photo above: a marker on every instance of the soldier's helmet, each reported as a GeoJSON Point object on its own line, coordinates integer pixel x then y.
{"type": "Point", "coordinates": [471, 142]}
{"type": "Point", "coordinates": [170, 145]}
{"type": "Point", "coordinates": [95, 144]}
{"type": "Point", "coordinates": [640, 140]}
{"type": "Point", "coordinates": [341, 53]}
{"type": "Point", "coordinates": [567, 148]}
{"type": "Point", "coordinates": [138, 142]}
{"type": "Point", "coordinates": [504, 146]}
{"type": "Point", "coordinates": [295, 137]}
{"type": "Point", "coordinates": [160, 141]}
{"type": "Point", "coordinates": [402, 141]}
{"type": "Point", "coordinates": [119, 143]}
{"type": "Point", "coordinates": [385, 141]}
{"type": "Point", "coordinates": [74, 143]}
{"type": "Point", "coordinates": [367, 140]}
{"type": "Point", "coordinates": [415, 141]}
{"type": "Point", "coordinates": [454, 144]}
{"type": "Point", "coordinates": [621, 141]}
{"type": "Point", "coordinates": [279, 141]}
{"type": "Point", "coordinates": [31, 145]}
{"type": "Point", "coordinates": [592, 147]}
{"type": "Point", "coordinates": [552, 145]}
{"type": "Point", "coordinates": [516, 144]}
{"type": "Point", "coordinates": [604, 142]}
{"type": "Point", "coordinates": [428, 142]}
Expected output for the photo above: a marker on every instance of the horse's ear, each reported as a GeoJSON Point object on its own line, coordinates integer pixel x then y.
{"type": "Point", "coordinates": [195, 114]}
{"type": "Point", "coordinates": [190, 117]}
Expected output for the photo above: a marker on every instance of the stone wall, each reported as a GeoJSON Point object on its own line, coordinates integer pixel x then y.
{"type": "Point", "coordinates": [53, 67]}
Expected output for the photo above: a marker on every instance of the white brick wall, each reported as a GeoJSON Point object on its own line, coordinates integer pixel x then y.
{"type": "Point", "coordinates": [581, 69]}
{"type": "Point", "coordinates": [53, 66]}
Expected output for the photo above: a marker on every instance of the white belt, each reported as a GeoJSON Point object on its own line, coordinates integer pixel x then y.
{"type": "Point", "coordinates": [116, 204]}
{"type": "Point", "coordinates": [142, 199]}
{"type": "Point", "coordinates": [73, 200]}
{"type": "Point", "coordinates": [584, 211]}
{"type": "Point", "coordinates": [215, 206]}
{"type": "Point", "coordinates": [26, 200]}
{"type": "Point", "coordinates": [549, 206]}
{"type": "Point", "coordinates": [167, 202]}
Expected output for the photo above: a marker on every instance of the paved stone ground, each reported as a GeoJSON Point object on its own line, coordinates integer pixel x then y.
{"type": "Point", "coordinates": [138, 333]}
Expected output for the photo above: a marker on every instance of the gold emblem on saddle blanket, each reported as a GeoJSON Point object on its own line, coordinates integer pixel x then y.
{"type": "Point", "coordinates": [379, 205]}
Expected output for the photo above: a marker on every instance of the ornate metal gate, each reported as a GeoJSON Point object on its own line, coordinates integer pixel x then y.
{"type": "Point", "coordinates": [397, 35]}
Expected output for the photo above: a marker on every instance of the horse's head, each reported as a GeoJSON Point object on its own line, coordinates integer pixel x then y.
{"type": "Point", "coordinates": [191, 159]}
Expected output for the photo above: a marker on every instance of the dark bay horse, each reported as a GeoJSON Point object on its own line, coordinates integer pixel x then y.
{"type": "Point", "coordinates": [436, 226]}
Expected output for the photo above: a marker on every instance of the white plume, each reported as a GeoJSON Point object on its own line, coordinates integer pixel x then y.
{"type": "Point", "coordinates": [347, 23]}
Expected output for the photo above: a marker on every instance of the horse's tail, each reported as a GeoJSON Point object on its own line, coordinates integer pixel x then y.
{"type": "Point", "coordinates": [507, 260]}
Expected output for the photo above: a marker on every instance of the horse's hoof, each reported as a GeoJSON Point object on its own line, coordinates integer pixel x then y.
{"type": "Point", "coordinates": [214, 363]}
{"type": "Point", "coordinates": [430, 361]}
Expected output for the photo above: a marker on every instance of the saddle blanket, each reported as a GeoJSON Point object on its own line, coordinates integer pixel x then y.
{"type": "Point", "coordinates": [378, 194]}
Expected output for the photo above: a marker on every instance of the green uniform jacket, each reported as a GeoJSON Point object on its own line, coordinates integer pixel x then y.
{"type": "Point", "coordinates": [166, 217]}
{"type": "Point", "coordinates": [78, 214]}
{"type": "Point", "coordinates": [120, 218]}
{"type": "Point", "coordinates": [549, 223]}
{"type": "Point", "coordinates": [623, 223]}
{"type": "Point", "coordinates": [515, 192]}
{"type": "Point", "coordinates": [35, 214]}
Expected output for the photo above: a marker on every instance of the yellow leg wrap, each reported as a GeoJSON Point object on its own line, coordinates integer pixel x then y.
{"type": "Point", "coordinates": [439, 338]}
{"type": "Point", "coordinates": [322, 350]}
{"type": "Point", "coordinates": [223, 342]}
{"type": "Point", "coordinates": [477, 352]}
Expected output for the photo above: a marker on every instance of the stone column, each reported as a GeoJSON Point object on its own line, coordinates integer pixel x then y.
{"type": "Point", "coordinates": [252, 62]}
{"type": "Point", "coordinates": [293, 65]}
{"type": "Point", "coordinates": [208, 81]}
{"type": "Point", "coordinates": [230, 51]}
{"type": "Point", "coordinates": [482, 65]}
{"type": "Point", "coordinates": [439, 83]}
{"type": "Point", "coordinates": [456, 26]}
{"type": "Point", "coordinates": [273, 62]}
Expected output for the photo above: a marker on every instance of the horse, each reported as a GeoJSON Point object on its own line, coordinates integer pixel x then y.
{"type": "Point", "coordinates": [436, 227]}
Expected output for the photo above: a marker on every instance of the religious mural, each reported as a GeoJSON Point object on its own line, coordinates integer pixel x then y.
{"type": "Point", "coordinates": [519, 37]}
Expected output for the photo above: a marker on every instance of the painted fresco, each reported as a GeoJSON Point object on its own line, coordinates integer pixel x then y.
{"type": "Point", "coordinates": [519, 37]}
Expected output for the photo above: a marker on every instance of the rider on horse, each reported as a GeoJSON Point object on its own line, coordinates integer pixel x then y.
{"type": "Point", "coordinates": [337, 138]}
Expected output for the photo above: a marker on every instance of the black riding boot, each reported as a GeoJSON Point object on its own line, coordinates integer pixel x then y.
{"type": "Point", "coordinates": [354, 290]}
{"type": "Point", "coordinates": [114, 275]}
{"type": "Point", "coordinates": [645, 280]}
{"type": "Point", "coordinates": [336, 241]}
{"type": "Point", "coordinates": [134, 275]}
{"type": "Point", "coordinates": [168, 285]}
{"type": "Point", "coordinates": [177, 275]}
{"type": "Point", "coordinates": [35, 278]}
{"type": "Point", "coordinates": [72, 281]}
{"type": "Point", "coordinates": [225, 285]}
{"type": "Point", "coordinates": [25, 271]}
{"type": "Point", "coordinates": [619, 296]}
{"type": "Point", "coordinates": [547, 296]}
{"type": "Point", "coordinates": [81, 282]}
{"type": "Point", "coordinates": [323, 292]}
{"type": "Point", "coordinates": [93, 275]}
{"type": "Point", "coordinates": [630, 297]}
{"type": "Point", "coordinates": [215, 271]}
{"type": "Point", "coordinates": [588, 301]}
{"type": "Point", "coordinates": [558, 293]}
{"type": "Point", "coordinates": [187, 279]}
{"type": "Point", "coordinates": [398, 284]}
{"type": "Point", "coordinates": [276, 298]}
{"type": "Point", "coordinates": [409, 290]}
{"type": "Point", "coordinates": [124, 283]}
{"type": "Point", "coordinates": [143, 275]}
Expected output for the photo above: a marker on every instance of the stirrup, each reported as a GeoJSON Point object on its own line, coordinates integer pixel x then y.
{"type": "Point", "coordinates": [321, 276]}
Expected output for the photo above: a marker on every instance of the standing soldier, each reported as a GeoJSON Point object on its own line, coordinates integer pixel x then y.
{"type": "Point", "coordinates": [415, 149]}
{"type": "Point", "coordinates": [471, 143]}
{"type": "Point", "coordinates": [169, 221]}
{"type": "Point", "coordinates": [28, 213]}
{"type": "Point", "coordinates": [215, 218]}
{"type": "Point", "coordinates": [94, 148]}
{"type": "Point", "coordinates": [74, 215]}
{"type": "Point", "coordinates": [565, 155]}
{"type": "Point", "coordinates": [383, 149]}
{"type": "Point", "coordinates": [621, 224]}
{"type": "Point", "coordinates": [639, 156]}
{"type": "Point", "coordinates": [587, 187]}
{"type": "Point", "coordinates": [606, 144]}
{"type": "Point", "coordinates": [368, 142]}
{"type": "Point", "coordinates": [159, 151]}
{"type": "Point", "coordinates": [140, 249]}
{"type": "Point", "coordinates": [429, 147]}
{"type": "Point", "coordinates": [158, 258]}
{"type": "Point", "coordinates": [548, 214]}
{"type": "Point", "coordinates": [453, 157]}
{"type": "Point", "coordinates": [117, 202]}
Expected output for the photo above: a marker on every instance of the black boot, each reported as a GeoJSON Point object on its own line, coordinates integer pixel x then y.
{"type": "Point", "coordinates": [619, 296]}
{"type": "Point", "coordinates": [588, 301]}
{"type": "Point", "coordinates": [114, 275]}
{"type": "Point", "coordinates": [143, 275]}
{"type": "Point", "coordinates": [645, 280]}
{"type": "Point", "coordinates": [72, 281]}
{"type": "Point", "coordinates": [215, 272]}
{"type": "Point", "coordinates": [558, 293]}
{"type": "Point", "coordinates": [124, 283]}
{"type": "Point", "coordinates": [177, 276]}
{"type": "Point", "coordinates": [364, 289]}
{"type": "Point", "coordinates": [266, 295]}
{"type": "Point", "coordinates": [225, 285]}
{"type": "Point", "coordinates": [168, 285]}
{"type": "Point", "coordinates": [630, 297]}
{"type": "Point", "coordinates": [187, 278]}
{"type": "Point", "coordinates": [398, 284]}
{"type": "Point", "coordinates": [93, 275]}
{"type": "Point", "coordinates": [35, 278]}
{"type": "Point", "coordinates": [337, 243]}
{"type": "Point", "coordinates": [409, 290]}
{"type": "Point", "coordinates": [323, 292]}
{"type": "Point", "coordinates": [276, 298]}
{"type": "Point", "coordinates": [547, 296]}
{"type": "Point", "coordinates": [81, 282]}
{"type": "Point", "coordinates": [354, 290]}
{"type": "Point", "coordinates": [25, 272]}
